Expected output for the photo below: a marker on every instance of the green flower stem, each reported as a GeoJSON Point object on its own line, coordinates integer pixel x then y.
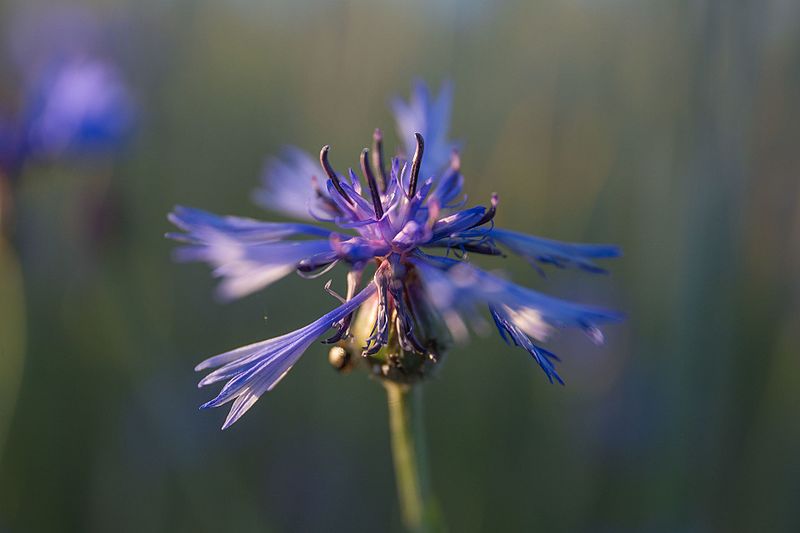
{"type": "Point", "coordinates": [408, 450]}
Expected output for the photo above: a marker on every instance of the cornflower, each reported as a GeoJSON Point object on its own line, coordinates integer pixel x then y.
{"type": "Point", "coordinates": [405, 238]}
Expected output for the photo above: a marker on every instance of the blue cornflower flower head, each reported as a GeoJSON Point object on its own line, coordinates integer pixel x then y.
{"type": "Point", "coordinates": [78, 106]}
{"type": "Point", "coordinates": [74, 99]}
{"type": "Point", "coordinates": [405, 238]}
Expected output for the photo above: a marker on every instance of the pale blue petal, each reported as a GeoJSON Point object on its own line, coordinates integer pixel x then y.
{"type": "Point", "coordinates": [464, 288]}
{"type": "Point", "coordinates": [199, 224]}
{"type": "Point", "coordinates": [247, 254]}
{"type": "Point", "coordinates": [257, 368]}
{"type": "Point", "coordinates": [562, 254]}
{"type": "Point", "coordinates": [448, 188]}
{"type": "Point", "coordinates": [287, 184]}
{"type": "Point", "coordinates": [512, 333]}
{"type": "Point", "coordinates": [457, 222]}
{"type": "Point", "coordinates": [430, 117]}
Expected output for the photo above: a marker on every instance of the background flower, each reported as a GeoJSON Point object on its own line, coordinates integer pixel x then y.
{"type": "Point", "coordinates": [72, 96]}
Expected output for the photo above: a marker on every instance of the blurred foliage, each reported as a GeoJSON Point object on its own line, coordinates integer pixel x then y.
{"type": "Point", "coordinates": [670, 128]}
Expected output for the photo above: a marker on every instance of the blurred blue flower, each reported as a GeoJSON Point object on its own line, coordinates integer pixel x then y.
{"type": "Point", "coordinates": [79, 106]}
{"type": "Point", "coordinates": [74, 101]}
{"type": "Point", "coordinates": [407, 222]}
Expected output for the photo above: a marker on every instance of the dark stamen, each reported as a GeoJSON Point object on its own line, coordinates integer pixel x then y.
{"type": "Point", "coordinates": [329, 204]}
{"type": "Point", "coordinates": [377, 158]}
{"type": "Point", "coordinates": [326, 165]}
{"type": "Point", "coordinates": [489, 215]}
{"type": "Point", "coordinates": [415, 164]}
{"type": "Point", "coordinates": [373, 186]}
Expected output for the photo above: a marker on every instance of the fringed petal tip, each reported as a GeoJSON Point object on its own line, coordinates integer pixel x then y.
{"type": "Point", "coordinates": [549, 370]}
{"type": "Point", "coordinates": [208, 380]}
{"type": "Point", "coordinates": [599, 315]}
{"type": "Point", "coordinates": [252, 370]}
{"type": "Point", "coordinates": [522, 316]}
{"type": "Point", "coordinates": [514, 334]}
{"type": "Point", "coordinates": [240, 407]}
{"type": "Point", "coordinates": [537, 250]}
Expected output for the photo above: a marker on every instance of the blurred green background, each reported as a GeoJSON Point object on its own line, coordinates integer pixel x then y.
{"type": "Point", "coordinates": [670, 128]}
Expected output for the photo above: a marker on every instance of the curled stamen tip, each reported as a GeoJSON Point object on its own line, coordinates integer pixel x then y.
{"type": "Point", "coordinates": [323, 157]}
{"type": "Point", "coordinates": [495, 199]}
{"type": "Point", "coordinates": [416, 161]}
{"type": "Point", "coordinates": [365, 168]}
{"type": "Point", "coordinates": [377, 134]}
{"type": "Point", "coordinates": [326, 165]}
{"type": "Point", "coordinates": [372, 183]}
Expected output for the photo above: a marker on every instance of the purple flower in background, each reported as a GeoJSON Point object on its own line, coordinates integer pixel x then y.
{"type": "Point", "coordinates": [78, 106]}
{"type": "Point", "coordinates": [73, 97]}
{"type": "Point", "coordinates": [405, 240]}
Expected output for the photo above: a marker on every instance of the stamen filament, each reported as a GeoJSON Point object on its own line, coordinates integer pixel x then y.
{"type": "Point", "coordinates": [377, 205]}
{"type": "Point", "coordinates": [377, 158]}
{"type": "Point", "coordinates": [415, 164]}
{"type": "Point", "coordinates": [326, 165]}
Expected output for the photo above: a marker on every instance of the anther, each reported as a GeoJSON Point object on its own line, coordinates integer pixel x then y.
{"type": "Point", "coordinates": [415, 164]}
{"type": "Point", "coordinates": [377, 158]}
{"type": "Point", "coordinates": [373, 186]}
{"type": "Point", "coordinates": [326, 166]}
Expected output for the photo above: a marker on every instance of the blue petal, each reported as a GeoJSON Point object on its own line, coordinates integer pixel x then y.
{"type": "Point", "coordinates": [360, 210]}
{"type": "Point", "coordinates": [464, 288]}
{"type": "Point", "coordinates": [448, 188]}
{"type": "Point", "coordinates": [561, 254]}
{"type": "Point", "coordinates": [287, 185]}
{"type": "Point", "coordinates": [246, 253]}
{"type": "Point", "coordinates": [430, 117]}
{"type": "Point", "coordinates": [457, 222]}
{"type": "Point", "coordinates": [198, 224]}
{"type": "Point", "coordinates": [505, 325]}
{"type": "Point", "coordinates": [358, 250]}
{"type": "Point", "coordinates": [257, 368]}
